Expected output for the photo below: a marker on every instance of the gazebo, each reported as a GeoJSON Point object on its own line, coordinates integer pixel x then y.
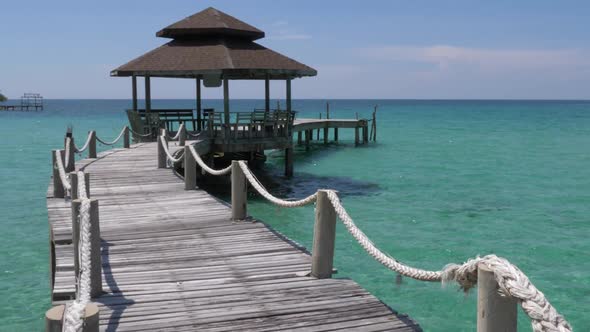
{"type": "Point", "coordinates": [213, 48]}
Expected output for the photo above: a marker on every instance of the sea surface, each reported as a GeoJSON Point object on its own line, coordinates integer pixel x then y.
{"type": "Point", "coordinates": [445, 181]}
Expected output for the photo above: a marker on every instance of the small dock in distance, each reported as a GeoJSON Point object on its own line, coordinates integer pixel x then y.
{"type": "Point", "coordinates": [28, 102]}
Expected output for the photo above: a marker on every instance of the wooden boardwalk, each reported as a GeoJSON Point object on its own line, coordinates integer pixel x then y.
{"type": "Point", "coordinates": [173, 261]}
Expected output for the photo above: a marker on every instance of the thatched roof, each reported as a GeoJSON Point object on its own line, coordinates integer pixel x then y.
{"type": "Point", "coordinates": [213, 43]}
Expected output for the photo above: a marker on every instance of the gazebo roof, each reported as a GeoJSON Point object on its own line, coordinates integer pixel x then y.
{"type": "Point", "coordinates": [213, 43]}
{"type": "Point", "coordinates": [210, 22]}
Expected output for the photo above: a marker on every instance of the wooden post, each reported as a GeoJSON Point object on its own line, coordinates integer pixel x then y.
{"type": "Point", "coordinates": [72, 154]}
{"type": "Point", "coordinates": [318, 135]}
{"type": "Point", "coordinates": [74, 182]}
{"type": "Point", "coordinates": [92, 145]}
{"type": "Point", "coordinates": [327, 110]}
{"type": "Point", "coordinates": [161, 152]}
{"type": "Point", "coordinates": [54, 318]}
{"type": "Point", "coordinates": [58, 187]}
{"type": "Point", "coordinates": [326, 134]}
{"type": "Point", "coordinates": [494, 312]}
{"type": "Point", "coordinates": [239, 192]}
{"type": "Point", "coordinates": [126, 137]}
{"type": "Point", "coordinates": [190, 170]}
{"type": "Point", "coordinates": [148, 95]}
{"type": "Point", "coordinates": [308, 134]}
{"type": "Point", "coordinates": [182, 136]}
{"type": "Point", "coordinates": [365, 133]}
{"type": "Point", "coordinates": [299, 138]}
{"type": "Point", "coordinates": [289, 162]}
{"type": "Point", "coordinates": [199, 116]}
{"type": "Point", "coordinates": [288, 95]}
{"type": "Point", "coordinates": [95, 255]}
{"type": "Point", "coordinates": [375, 124]}
{"type": "Point", "coordinates": [267, 94]}
{"type": "Point", "coordinates": [336, 134]}
{"type": "Point", "coordinates": [226, 106]}
{"type": "Point", "coordinates": [324, 235]}
{"type": "Point", "coordinates": [356, 135]}
{"type": "Point", "coordinates": [134, 92]}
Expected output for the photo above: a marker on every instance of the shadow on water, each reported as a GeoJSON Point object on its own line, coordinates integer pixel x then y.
{"type": "Point", "coordinates": [301, 184]}
{"type": "Point", "coordinates": [123, 303]}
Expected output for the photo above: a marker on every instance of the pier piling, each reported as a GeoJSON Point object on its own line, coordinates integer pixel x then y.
{"type": "Point", "coordinates": [190, 170]}
{"type": "Point", "coordinates": [239, 192]}
{"type": "Point", "coordinates": [95, 253]}
{"type": "Point", "coordinates": [494, 312]}
{"type": "Point", "coordinates": [74, 181]}
{"type": "Point", "coordinates": [92, 145]}
{"type": "Point", "coordinates": [324, 235]}
{"type": "Point", "coordinates": [58, 187]}
{"type": "Point", "coordinates": [54, 318]}
{"type": "Point", "coordinates": [161, 151]}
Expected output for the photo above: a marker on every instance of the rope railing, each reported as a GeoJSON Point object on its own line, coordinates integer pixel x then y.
{"type": "Point", "coordinates": [75, 311]}
{"type": "Point", "coordinates": [512, 282]}
{"type": "Point", "coordinates": [86, 145]}
{"type": "Point", "coordinates": [180, 129]}
{"type": "Point", "coordinates": [205, 167]}
{"type": "Point", "coordinates": [167, 151]}
{"type": "Point", "coordinates": [275, 200]}
{"type": "Point", "coordinates": [115, 140]}
{"type": "Point", "coordinates": [62, 172]}
{"type": "Point", "coordinates": [140, 135]}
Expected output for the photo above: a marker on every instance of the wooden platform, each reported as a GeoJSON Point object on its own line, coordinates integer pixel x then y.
{"type": "Point", "coordinates": [173, 261]}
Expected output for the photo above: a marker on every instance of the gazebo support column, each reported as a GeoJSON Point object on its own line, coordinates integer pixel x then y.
{"type": "Point", "coordinates": [148, 95]}
{"type": "Point", "coordinates": [199, 117]}
{"type": "Point", "coordinates": [226, 124]}
{"type": "Point", "coordinates": [134, 92]}
{"type": "Point", "coordinates": [289, 150]}
{"type": "Point", "coordinates": [267, 94]}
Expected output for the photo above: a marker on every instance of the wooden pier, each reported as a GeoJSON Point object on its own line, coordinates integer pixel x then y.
{"type": "Point", "coordinates": [172, 260]}
{"type": "Point", "coordinates": [28, 102]}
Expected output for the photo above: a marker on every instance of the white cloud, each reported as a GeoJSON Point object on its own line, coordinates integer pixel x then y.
{"type": "Point", "coordinates": [446, 57]}
{"type": "Point", "coordinates": [282, 31]}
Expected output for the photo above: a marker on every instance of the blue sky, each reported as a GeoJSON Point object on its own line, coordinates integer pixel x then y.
{"type": "Point", "coordinates": [361, 49]}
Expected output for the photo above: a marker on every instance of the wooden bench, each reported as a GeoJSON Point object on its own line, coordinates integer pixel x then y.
{"type": "Point", "coordinates": [169, 117]}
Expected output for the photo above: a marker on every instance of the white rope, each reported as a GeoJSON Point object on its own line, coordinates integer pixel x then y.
{"type": "Point", "coordinates": [61, 170]}
{"type": "Point", "coordinates": [67, 151]}
{"type": "Point", "coordinates": [204, 166]}
{"type": "Point", "coordinates": [165, 147]}
{"type": "Point", "coordinates": [512, 282]}
{"type": "Point", "coordinates": [140, 135]}
{"type": "Point", "coordinates": [114, 141]}
{"type": "Point", "coordinates": [74, 312]}
{"type": "Point", "coordinates": [262, 191]}
{"type": "Point", "coordinates": [83, 148]}
{"type": "Point", "coordinates": [177, 133]}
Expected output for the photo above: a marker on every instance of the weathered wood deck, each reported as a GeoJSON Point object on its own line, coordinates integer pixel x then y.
{"type": "Point", "coordinates": [173, 261]}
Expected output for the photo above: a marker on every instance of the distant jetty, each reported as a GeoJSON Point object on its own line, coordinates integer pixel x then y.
{"type": "Point", "coordinates": [28, 102]}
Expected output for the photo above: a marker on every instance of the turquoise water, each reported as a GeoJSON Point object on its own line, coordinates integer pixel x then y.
{"type": "Point", "coordinates": [447, 180]}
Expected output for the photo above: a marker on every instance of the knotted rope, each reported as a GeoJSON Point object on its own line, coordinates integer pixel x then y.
{"type": "Point", "coordinates": [165, 147]}
{"type": "Point", "coordinates": [275, 200]}
{"type": "Point", "coordinates": [204, 166]}
{"type": "Point", "coordinates": [74, 312]}
{"type": "Point", "coordinates": [512, 282]}
{"type": "Point", "coordinates": [83, 148]}
{"type": "Point", "coordinates": [61, 170]}
{"type": "Point", "coordinates": [114, 141]}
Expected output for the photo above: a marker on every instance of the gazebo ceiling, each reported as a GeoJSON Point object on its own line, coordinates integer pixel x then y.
{"type": "Point", "coordinates": [213, 43]}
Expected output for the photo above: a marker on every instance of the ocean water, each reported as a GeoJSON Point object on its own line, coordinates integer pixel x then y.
{"type": "Point", "coordinates": [446, 181]}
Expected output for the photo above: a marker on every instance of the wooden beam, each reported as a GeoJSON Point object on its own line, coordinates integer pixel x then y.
{"type": "Point", "coordinates": [289, 95]}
